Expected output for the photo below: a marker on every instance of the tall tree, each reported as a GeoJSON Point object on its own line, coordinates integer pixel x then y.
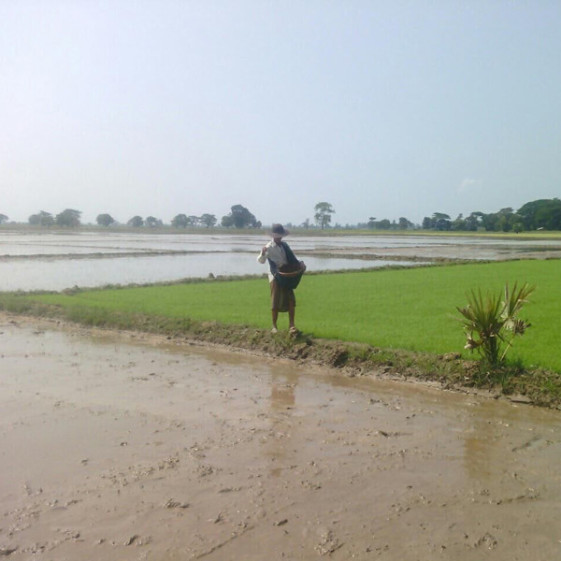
{"type": "Point", "coordinates": [543, 213]}
{"type": "Point", "coordinates": [3, 218]}
{"type": "Point", "coordinates": [69, 218]}
{"type": "Point", "coordinates": [136, 222]}
{"type": "Point", "coordinates": [441, 221]}
{"type": "Point", "coordinates": [209, 220]}
{"type": "Point", "coordinates": [42, 219]}
{"type": "Point", "coordinates": [459, 223]}
{"type": "Point", "coordinates": [474, 220]}
{"type": "Point", "coordinates": [405, 224]}
{"type": "Point", "coordinates": [152, 222]}
{"type": "Point", "coordinates": [505, 220]}
{"type": "Point", "coordinates": [240, 217]}
{"type": "Point", "coordinates": [323, 212]}
{"type": "Point", "coordinates": [490, 221]}
{"type": "Point", "coordinates": [528, 213]}
{"type": "Point", "coordinates": [179, 221]}
{"type": "Point", "coordinates": [105, 220]}
{"type": "Point", "coordinates": [227, 221]}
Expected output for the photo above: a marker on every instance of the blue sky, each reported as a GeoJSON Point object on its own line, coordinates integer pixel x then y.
{"type": "Point", "coordinates": [382, 108]}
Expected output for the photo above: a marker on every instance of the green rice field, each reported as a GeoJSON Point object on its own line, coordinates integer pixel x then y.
{"type": "Point", "coordinates": [412, 309]}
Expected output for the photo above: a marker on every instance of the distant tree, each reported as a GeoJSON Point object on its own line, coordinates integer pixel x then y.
{"type": "Point", "coordinates": [372, 222]}
{"type": "Point", "coordinates": [550, 217]}
{"type": "Point", "coordinates": [543, 213]}
{"type": "Point", "coordinates": [209, 220]}
{"type": "Point", "coordinates": [538, 214]}
{"type": "Point", "coordinates": [193, 220]}
{"type": "Point", "coordinates": [179, 221]}
{"type": "Point", "coordinates": [42, 219]}
{"type": "Point", "coordinates": [3, 218]}
{"type": "Point", "coordinates": [383, 224]}
{"type": "Point", "coordinates": [459, 223]}
{"type": "Point", "coordinates": [227, 221]}
{"type": "Point", "coordinates": [489, 221]}
{"type": "Point", "coordinates": [136, 222]}
{"type": "Point", "coordinates": [306, 224]}
{"type": "Point", "coordinates": [405, 224]}
{"type": "Point", "coordinates": [427, 223]}
{"type": "Point", "coordinates": [323, 212]}
{"type": "Point", "coordinates": [517, 224]}
{"type": "Point", "coordinates": [473, 221]}
{"type": "Point", "coordinates": [153, 222]}
{"type": "Point", "coordinates": [441, 221]}
{"type": "Point", "coordinates": [505, 219]}
{"type": "Point", "coordinates": [69, 218]}
{"type": "Point", "coordinates": [240, 217]}
{"type": "Point", "coordinates": [105, 220]}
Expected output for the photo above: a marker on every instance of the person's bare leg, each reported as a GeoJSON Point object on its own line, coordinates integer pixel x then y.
{"type": "Point", "coordinates": [274, 309]}
{"type": "Point", "coordinates": [291, 315]}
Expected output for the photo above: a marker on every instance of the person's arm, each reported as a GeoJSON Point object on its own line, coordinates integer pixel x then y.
{"type": "Point", "coordinates": [262, 257]}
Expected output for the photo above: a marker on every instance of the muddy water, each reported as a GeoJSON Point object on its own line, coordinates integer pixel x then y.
{"type": "Point", "coordinates": [121, 447]}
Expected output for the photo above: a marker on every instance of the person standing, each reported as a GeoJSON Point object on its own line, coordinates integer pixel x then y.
{"type": "Point", "coordinates": [279, 255]}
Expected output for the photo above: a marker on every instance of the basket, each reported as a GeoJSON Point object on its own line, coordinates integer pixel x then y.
{"type": "Point", "coordinates": [289, 276]}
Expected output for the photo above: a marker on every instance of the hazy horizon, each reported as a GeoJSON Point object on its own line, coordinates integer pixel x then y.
{"type": "Point", "coordinates": [381, 109]}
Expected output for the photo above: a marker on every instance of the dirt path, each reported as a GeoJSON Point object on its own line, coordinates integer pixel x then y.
{"type": "Point", "coordinates": [121, 447]}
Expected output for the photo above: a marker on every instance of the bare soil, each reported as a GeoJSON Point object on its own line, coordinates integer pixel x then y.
{"type": "Point", "coordinates": [122, 446]}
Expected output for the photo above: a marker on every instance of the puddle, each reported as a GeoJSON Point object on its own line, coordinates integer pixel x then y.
{"type": "Point", "coordinates": [121, 448]}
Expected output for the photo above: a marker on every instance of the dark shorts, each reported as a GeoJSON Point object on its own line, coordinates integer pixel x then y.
{"type": "Point", "coordinates": [281, 297]}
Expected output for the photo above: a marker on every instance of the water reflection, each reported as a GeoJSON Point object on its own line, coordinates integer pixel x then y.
{"type": "Point", "coordinates": [55, 261]}
{"type": "Point", "coordinates": [283, 400]}
{"type": "Point", "coordinates": [13, 243]}
{"type": "Point", "coordinates": [498, 434]}
{"type": "Point", "coordinates": [40, 274]}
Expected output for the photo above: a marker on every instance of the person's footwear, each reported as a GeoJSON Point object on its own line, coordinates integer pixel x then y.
{"type": "Point", "coordinates": [293, 330]}
{"type": "Point", "coordinates": [274, 330]}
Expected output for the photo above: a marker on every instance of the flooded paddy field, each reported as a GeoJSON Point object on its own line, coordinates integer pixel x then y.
{"type": "Point", "coordinates": [55, 261]}
{"type": "Point", "coordinates": [130, 447]}
{"type": "Point", "coordinates": [127, 446]}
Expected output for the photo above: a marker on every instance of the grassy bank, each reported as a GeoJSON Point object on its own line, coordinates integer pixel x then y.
{"type": "Point", "coordinates": [407, 313]}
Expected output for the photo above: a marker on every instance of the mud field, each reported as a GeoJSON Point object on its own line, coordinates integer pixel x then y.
{"type": "Point", "coordinates": [121, 447]}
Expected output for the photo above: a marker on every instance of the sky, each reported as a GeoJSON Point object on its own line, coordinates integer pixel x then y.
{"type": "Point", "coordinates": [383, 109]}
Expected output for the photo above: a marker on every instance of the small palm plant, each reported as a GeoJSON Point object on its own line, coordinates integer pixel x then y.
{"type": "Point", "coordinates": [491, 322]}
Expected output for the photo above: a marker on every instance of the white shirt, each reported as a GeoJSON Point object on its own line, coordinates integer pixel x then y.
{"type": "Point", "coordinates": [275, 253]}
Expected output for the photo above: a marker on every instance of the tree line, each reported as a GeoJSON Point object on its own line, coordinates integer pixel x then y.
{"type": "Point", "coordinates": [238, 217]}
{"type": "Point", "coordinates": [541, 214]}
